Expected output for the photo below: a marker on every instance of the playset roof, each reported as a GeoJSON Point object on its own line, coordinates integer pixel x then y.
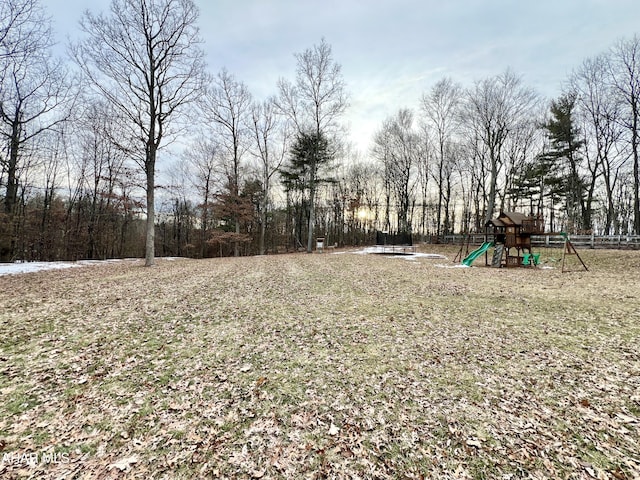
{"type": "Point", "coordinates": [508, 219]}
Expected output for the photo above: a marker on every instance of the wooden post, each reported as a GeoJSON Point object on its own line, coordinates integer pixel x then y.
{"type": "Point", "coordinates": [569, 249]}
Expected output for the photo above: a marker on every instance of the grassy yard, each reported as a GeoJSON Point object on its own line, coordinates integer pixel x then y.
{"type": "Point", "coordinates": [322, 366]}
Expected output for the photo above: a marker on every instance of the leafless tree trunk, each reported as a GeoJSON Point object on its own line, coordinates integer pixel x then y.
{"type": "Point", "coordinates": [465, 169]}
{"type": "Point", "coordinates": [479, 174]}
{"type": "Point", "coordinates": [144, 58]}
{"type": "Point", "coordinates": [523, 144]}
{"type": "Point", "coordinates": [101, 168]}
{"type": "Point", "coordinates": [425, 165]}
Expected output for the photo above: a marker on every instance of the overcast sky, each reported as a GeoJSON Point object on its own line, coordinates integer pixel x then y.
{"type": "Point", "coordinates": [391, 51]}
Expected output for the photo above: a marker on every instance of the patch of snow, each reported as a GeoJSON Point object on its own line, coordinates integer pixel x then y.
{"type": "Point", "coordinates": [18, 268]}
{"type": "Point", "coordinates": [360, 252]}
{"type": "Point", "coordinates": [30, 267]}
{"type": "Point", "coordinates": [428, 255]}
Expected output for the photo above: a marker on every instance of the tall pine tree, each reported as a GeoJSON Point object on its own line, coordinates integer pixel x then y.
{"type": "Point", "coordinates": [562, 163]}
{"type": "Point", "coordinates": [309, 157]}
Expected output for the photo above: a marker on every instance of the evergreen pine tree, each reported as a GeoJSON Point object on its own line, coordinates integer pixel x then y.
{"type": "Point", "coordinates": [560, 166]}
{"type": "Point", "coordinates": [309, 156]}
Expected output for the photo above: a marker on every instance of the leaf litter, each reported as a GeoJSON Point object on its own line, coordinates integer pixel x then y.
{"type": "Point", "coordinates": [322, 366]}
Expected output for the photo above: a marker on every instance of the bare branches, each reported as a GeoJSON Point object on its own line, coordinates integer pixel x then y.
{"type": "Point", "coordinates": [496, 108]}
{"type": "Point", "coordinates": [441, 109]}
{"type": "Point", "coordinates": [33, 86]}
{"type": "Point", "coordinates": [25, 30]}
{"type": "Point", "coordinates": [314, 104]}
{"type": "Point", "coordinates": [228, 106]}
{"type": "Point", "coordinates": [625, 76]}
{"type": "Point", "coordinates": [399, 148]}
{"type": "Point", "coordinates": [144, 58]}
{"type": "Point", "coordinates": [270, 135]}
{"type": "Point", "coordinates": [318, 97]}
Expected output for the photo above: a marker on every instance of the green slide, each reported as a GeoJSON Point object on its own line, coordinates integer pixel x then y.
{"type": "Point", "coordinates": [476, 253]}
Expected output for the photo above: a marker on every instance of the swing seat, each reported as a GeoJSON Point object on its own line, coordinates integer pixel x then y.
{"type": "Point", "coordinates": [526, 259]}
{"type": "Point", "coordinates": [536, 258]}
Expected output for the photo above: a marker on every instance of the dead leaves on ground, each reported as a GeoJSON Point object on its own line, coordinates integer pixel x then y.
{"type": "Point", "coordinates": [321, 366]}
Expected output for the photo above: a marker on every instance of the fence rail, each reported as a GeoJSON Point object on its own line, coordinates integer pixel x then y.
{"type": "Point", "coordinates": [578, 241]}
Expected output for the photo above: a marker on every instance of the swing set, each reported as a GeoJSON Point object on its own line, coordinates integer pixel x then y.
{"type": "Point", "coordinates": [510, 236]}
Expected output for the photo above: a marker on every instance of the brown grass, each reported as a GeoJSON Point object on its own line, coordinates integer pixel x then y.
{"type": "Point", "coordinates": [322, 366]}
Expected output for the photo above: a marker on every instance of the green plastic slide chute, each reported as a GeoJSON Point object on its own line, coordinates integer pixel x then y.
{"type": "Point", "coordinates": [476, 253]}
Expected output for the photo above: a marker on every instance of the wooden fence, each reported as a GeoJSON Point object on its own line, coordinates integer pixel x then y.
{"type": "Point", "coordinates": [578, 241]}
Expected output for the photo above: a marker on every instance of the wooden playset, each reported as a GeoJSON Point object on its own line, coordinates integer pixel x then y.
{"type": "Point", "coordinates": [510, 236]}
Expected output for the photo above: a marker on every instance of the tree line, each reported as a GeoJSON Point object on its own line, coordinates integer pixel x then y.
{"type": "Point", "coordinates": [82, 137]}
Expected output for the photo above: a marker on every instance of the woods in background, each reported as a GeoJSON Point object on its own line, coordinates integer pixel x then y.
{"type": "Point", "coordinates": [130, 148]}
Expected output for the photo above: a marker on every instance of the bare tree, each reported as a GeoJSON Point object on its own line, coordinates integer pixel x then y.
{"type": "Point", "coordinates": [228, 106]}
{"type": "Point", "coordinates": [496, 107]}
{"type": "Point", "coordinates": [33, 86]}
{"type": "Point", "coordinates": [101, 166]}
{"type": "Point", "coordinates": [363, 180]}
{"type": "Point", "coordinates": [465, 169]}
{"type": "Point", "coordinates": [144, 58]}
{"type": "Point", "coordinates": [204, 162]}
{"type": "Point", "coordinates": [601, 111]}
{"type": "Point", "coordinates": [270, 146]}
{"type": "Point", "coordinates": [625, 77]}
{"type": "Point", "coordinates": [398, 146]}
{"type": "Point", "coordinates": [519, 150]}
{"type": "Point", "coordinates": [314, 103]}
{"type": "Point", "coordinates": [32, 90]}
{"type": "Point", "coordinates": [441, 113]}
{"type": "Point", "coordinates": [424, 175]}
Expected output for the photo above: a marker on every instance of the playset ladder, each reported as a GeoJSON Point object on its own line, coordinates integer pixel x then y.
{"type": "Point", "coordinates": [498, 252]}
